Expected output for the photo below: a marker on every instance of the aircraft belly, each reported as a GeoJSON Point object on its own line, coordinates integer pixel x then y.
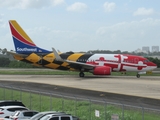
{"type": "Point", "coordinates": [52, 65]}
{"type": "Point", "coordinates": [132, 68]}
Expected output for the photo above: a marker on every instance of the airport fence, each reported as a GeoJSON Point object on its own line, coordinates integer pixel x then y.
{"type": "Point", "coordinates": [84, 108]}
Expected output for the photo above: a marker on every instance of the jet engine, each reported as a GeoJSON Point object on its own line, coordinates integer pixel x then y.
{"type": "Point", "coordinates": [102, 70]}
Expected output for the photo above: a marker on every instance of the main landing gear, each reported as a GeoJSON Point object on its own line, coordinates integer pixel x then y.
{"type": "Point", "coordinates": [138, 75]}
{"type": "Point", "coordinates": [81, 74]}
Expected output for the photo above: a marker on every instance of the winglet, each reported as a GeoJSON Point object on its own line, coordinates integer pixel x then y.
{"type": "Point", "coordinates": [58, 58]}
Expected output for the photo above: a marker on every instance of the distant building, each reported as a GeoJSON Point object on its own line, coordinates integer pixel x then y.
{"type": "Point", "coordinates": [155, 48]}
{"type": "Point", "coordinates": [138, 50]}
{"type": "Point", "coordinates": [145, 49]}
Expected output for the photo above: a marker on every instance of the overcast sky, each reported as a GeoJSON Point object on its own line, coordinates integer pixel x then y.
{"type": "Point", "coordinates": [82, 25]}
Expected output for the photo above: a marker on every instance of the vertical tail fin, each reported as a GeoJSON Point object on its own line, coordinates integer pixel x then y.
{"type": "Point", "coordinates": [23, 43]}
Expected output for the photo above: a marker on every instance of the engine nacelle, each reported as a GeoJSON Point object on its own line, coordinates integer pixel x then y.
{"type": "Point", "coordinates": [102, 70]}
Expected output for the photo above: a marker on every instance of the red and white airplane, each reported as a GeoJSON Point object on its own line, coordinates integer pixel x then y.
{"type": "Point", "coordinates": [98, 64]}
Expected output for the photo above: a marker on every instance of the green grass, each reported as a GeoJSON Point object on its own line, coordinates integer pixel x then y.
{"type": "Point", "coordinates": [85, 110]}
{"type": "Point", "coordinates": [58, 72]}
{"type": "Point", "coordinates": [38, 72]}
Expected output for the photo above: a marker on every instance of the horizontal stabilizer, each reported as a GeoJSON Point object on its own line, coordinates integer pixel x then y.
{"type": "Point", "coordinates": [14, 53]}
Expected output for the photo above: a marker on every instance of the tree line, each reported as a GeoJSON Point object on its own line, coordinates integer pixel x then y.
{"type": "Point", "coordinates": [6, 62]}
{"type": "Point", "coordinates": [125, 52]}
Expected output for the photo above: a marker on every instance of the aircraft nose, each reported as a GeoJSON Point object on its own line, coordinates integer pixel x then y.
{"type": "Point", "coordinates": [153, 65]}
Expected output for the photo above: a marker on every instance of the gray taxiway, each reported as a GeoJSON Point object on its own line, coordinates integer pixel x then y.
{"type": "Point", "coordinates": [146, 86]}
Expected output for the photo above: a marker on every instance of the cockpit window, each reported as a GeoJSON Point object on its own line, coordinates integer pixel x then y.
{"type": "Point", "coordinates": [145, 61]}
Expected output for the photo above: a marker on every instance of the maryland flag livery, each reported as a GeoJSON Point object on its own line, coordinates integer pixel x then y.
{"type": "Point", "coordinates": [98, 64]}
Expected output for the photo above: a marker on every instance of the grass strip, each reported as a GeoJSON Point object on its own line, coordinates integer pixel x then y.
{"type": "Point", "coordinates": [58, 72]}
{"type": "Point", "coordinates": [84, 109]}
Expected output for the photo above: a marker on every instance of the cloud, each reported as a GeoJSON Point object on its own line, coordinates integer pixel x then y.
{"type": "Point", "coordinates": [1, 16]}
{"type": "Point", "coordinates": [24, 4]}
{"type": "Point", "coordinates": [57, 2]}
{"type": "Point", "coordinates": [108, 7]}
{"type": "Point", "coordinates": [134, 27]}
{"type": "Point", "coordinates": [135, 33]}
{"type": "Point", "coordinates": [2, 24]}
{"type": "Point", "coordinates": [57, 38]}
{"type": "Point", "coordinates": [143, 11]}
{"type": "Point", "coordinates": [77, 7]}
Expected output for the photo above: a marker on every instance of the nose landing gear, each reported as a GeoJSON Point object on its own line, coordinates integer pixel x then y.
{"type": "Point", "coordinates": [138, 75]}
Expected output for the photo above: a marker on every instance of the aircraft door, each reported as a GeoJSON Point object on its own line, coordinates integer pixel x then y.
{"type": "Point", "coordinates": [119, 62]}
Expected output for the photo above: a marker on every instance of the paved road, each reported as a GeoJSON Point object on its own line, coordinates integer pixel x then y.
{"type": "Point", "coordinates": [122, 89]}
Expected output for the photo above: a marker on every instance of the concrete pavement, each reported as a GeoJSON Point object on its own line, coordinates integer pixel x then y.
{"type": "Point", "coordinates": [146, 86]}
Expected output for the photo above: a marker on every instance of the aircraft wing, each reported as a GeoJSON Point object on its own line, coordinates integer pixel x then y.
{"type": "Point", "coordinates": [83, 65]}
{"type": "Point", "coordinates": [73, 63]}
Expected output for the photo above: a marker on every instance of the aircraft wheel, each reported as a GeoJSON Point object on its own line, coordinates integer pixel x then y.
{"type": "Point", "coordinates": [81, 74]}
{"type": "Point", "coordinates": [138, 75]}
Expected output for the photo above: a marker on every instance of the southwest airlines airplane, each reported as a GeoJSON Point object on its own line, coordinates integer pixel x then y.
{"type": "Point", "coordinates": [98, 64]}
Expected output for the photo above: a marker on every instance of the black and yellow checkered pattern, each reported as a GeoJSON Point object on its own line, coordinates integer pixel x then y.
{"type": "Point", "coordinates": [49, 60]}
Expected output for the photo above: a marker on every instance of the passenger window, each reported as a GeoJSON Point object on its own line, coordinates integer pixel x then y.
{"type": "Point", "coordinates": [29, 114]}
{"type": "Point", "coordinates": [11, 109]}
{"type": "Point", "coordinates": [55, 118]}
{"type": "Point", "coordinates": [15, 109]}
{"type": "Point", "coordinates": [65, 118]}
